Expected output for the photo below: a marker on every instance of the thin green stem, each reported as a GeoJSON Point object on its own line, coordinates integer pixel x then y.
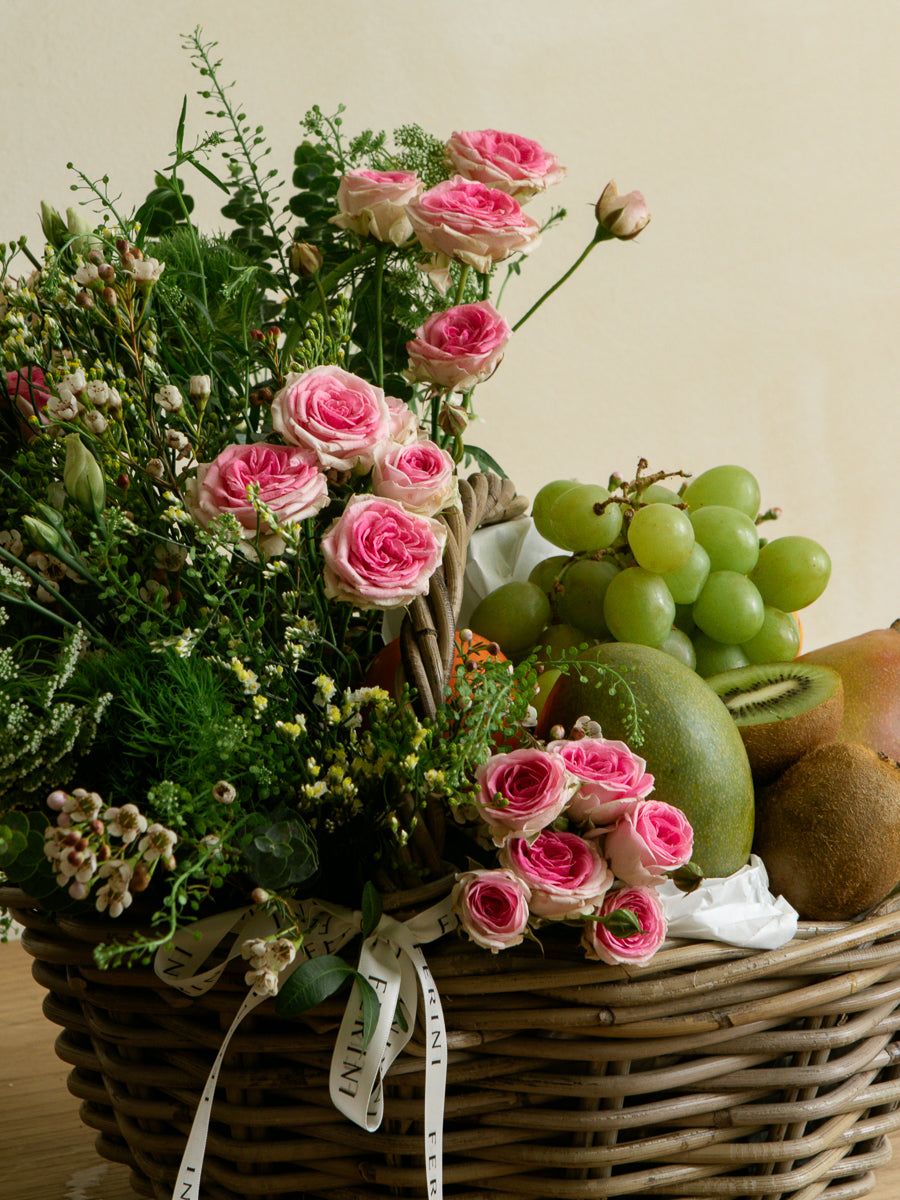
{"type": "Point", "coordinates": [461, 286]}
{"type": "Point", "coordinates": [595, 240]}
{"type": "Point", "coordinates": [380, 259]}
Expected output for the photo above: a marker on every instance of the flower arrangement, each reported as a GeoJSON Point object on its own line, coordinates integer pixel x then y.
{"type": "Point", "coordinates": [224, 459]}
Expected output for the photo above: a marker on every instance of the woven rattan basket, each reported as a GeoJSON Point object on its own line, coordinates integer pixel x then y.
{"type": "Point", "coordinates": [711, 1072]}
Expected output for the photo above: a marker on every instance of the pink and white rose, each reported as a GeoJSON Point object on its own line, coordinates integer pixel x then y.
{"type": "Point", "coordinates": [378, 555]}
{"type": "Point", "coordinates": [492, 907]}
{"type": "Point", "coordinates": [403, 424]}
{"type": "Point", "coordinates": [289, 478]}
{"type": "Point", "coordinates": [622, 217]}
{"type": "Point", "coordinates": [457, 349]}
{"type": "Point", "coordinates": [338, 415]}
{"type": "Point", "coordinates": [471, 223]}
{"type": "Point", "coordinates": [634, 949]}
{"type": "Point", "coordinates": [373, 204]}
{"type": "Point", "coordinates": [507, 161]}
{"type": "Point", "coordinates": [421, 476]}
{"type": "Point", "coordinates": [612, 778]}
{"type": "Point", "coordinates": [566, 874]}
{"type": "Point", "coordinates": [647, 841]}
{"type": "Point", "coordinates": [522, 792]}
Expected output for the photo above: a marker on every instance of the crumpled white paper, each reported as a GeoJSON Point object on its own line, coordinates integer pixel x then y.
{"type": "Point", "coordinates": [738, 909]}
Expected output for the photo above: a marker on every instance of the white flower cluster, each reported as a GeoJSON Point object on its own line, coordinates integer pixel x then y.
{"type": "Point", "coordinates": [268, 957]}
{"type": "Point", "coordinates": [80, 853]}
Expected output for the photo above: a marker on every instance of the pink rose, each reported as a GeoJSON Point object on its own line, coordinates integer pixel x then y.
{"type": "Point", "coordinates": [622, 217]}
{"type": "Point", "coordinates": [612, 778]}
{"type": "Point", "coordinates": [458, 348]}
{"type": "Point", "coordinates": [378, 555]}
{"type": "Point", "coordinates": [522, 792]}
{"type": "Point", "coordinates": [472, 223]}
{"type": "Point", "coordinates": [29, 394]}
{"type": "Point", "coordinates": [340, 416]}
{"type": "Point", "coordinates": [565, 873]}
{"type": "Point", "coordinates": [403, 424]}
{"type": "Point", "coordinates": [492, 907]}
{"type": "Point", "coordinates": [506, 161]}
{"type": "Point", "coordinates": [637, 948]}
{"type": "Point", "coordinates": [421, 476]}
{"type": "Point", "coordinates": [374, 203]}
{"type": "Point", "coordinates": [289, 478]}
{"type": "Point", "coordinates": [648, 840]}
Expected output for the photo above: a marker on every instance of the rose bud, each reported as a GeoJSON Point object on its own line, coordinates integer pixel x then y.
{"type": "Point", "coordinates": [305, 259]}
{"type": "Point", "coordinates": [621, 217]}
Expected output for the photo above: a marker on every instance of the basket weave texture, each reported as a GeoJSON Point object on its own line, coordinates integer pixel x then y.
{"type": "Point", "coordinates": [711, 1072]}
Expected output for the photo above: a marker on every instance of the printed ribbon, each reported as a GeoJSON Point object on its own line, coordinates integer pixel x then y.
{"type": "Point", "coordinates": [391, 959]}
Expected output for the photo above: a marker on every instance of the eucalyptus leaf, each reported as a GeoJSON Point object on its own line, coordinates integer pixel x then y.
{"type": "Point", "coordinates": [316, 980]}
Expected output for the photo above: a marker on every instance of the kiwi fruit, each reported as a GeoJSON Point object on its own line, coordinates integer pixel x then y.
{"type": "Point", "coordinates": [782, 711]}
{"type": "Point", "coordinates": [828, 831]}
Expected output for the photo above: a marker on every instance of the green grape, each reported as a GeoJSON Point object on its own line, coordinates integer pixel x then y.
{"type": "Point", "coordinates": [777, 641]}
{"type": "Point", "coordinates": [686, 583]}
{"type": "Point", "coordinates": [580, 602]}
{"type": "Point", "coordinates": [661, 537]}
{"type": "Point", "coordinates": [556, 639]}
{"type": "Point", "coordinates": [729, 609]}
{"type": "Point", "coordinates": [733, 487]}
{"type": "Point", "coordinates": [546, 572]}
{"type": "Point", "coordinates": [791, 572]}
{"type": "Point", "coordinates": [728, 536]}
{"type": "Point", "coordinates": [544, 501]}
{"type": "Point", "coordinates": [638, 607]}
{"type": "Point", "coordinates": [574, 523]}
{"type": "Point", "coordinates": [514, 616]}
{"type": "Point", "coordinates": [680, 646]}
{"type": "Point", "coordinates": [714, 657]}
{"type": "Point", "coordinates": [658, 493]}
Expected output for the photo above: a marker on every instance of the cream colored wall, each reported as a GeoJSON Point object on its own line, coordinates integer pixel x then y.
{"type": "Point", "coordinates": [755, 320]}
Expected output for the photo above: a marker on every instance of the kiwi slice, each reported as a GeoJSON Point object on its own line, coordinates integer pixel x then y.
{"type": "Point", "coordinates": [782, 710]}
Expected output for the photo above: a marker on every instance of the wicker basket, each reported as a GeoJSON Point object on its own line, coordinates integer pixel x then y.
{"type": "Point", "coordinates": [710, 1072]}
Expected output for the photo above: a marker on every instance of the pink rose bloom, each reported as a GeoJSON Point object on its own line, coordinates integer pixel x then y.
{"type": "Point", "coordinates": [492, 907]}
{"type": "Point", "coordinates": [612, 778]}
{"type": "Point", "coordinates": [421, 476]}
{"type": "Point", "coordinates": [403, 424]}
{"type": "Point", "coordinates": [622, 217]}
{"type": "Point", "coordinates": [378, 555]}
{"type": "Point", "coordinates": [340, 416]}
{"type": "Point", "coordinates": [522, 792]}
{"type": "Point", "coordinates": [566, 874]}
{"type": "Point", "coordinates": [638, 948]}
{"type": "Point", "coordinates": [457, 349]}
{"type": "Point", "coordinates": [507, 161]}
{"type": "Point", "coordinates": [648, 840]}
{"type": "Point", "coordinates": [29, 394]}
{"type": "Point", "coordinates": [290, 482]}
{"type": "Point", "coordinates": [472, 223]}
{"type": "Point", "coordinates": [373, 203]}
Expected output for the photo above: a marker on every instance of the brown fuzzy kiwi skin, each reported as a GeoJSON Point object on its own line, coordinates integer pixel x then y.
{"type": "Point", "coordinates": [775, 745]}
{"type": "Point", "coordinates": [828, 831]}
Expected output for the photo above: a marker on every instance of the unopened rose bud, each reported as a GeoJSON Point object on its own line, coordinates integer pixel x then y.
{"type": "Point", "coordinates": [621, 217]}
{"type": "Point", "coordinates": [83, 478]}
{"type": "Point", "coordinates": [453, 419]}
{"type": "Point", "coordinates": [44, 536]}
{"type": "Point", "coordinates": [305, 259]}
{"type": "Point", "coordinates": [53, 226]}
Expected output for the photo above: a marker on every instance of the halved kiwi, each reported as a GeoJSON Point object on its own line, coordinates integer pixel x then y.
{"type": "Point", "coordinates": [783, 710]}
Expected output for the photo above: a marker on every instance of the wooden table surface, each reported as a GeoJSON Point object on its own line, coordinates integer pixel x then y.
{"type": "Point", "coordinates": [45, 1151]}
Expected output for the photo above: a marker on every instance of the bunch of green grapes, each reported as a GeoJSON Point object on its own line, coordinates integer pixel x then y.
{"type": "Point", "coordinates": [684, 571]}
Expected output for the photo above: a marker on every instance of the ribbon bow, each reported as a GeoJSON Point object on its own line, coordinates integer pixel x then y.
{"type": "Point", "coordinates": [391, 959]}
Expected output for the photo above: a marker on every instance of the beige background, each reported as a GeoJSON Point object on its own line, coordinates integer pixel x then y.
{"type": "Point", "coordinates": [755, 320]}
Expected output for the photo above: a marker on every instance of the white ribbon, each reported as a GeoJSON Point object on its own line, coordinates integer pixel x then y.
{"type": "Point", "coordinates": [393, 962]}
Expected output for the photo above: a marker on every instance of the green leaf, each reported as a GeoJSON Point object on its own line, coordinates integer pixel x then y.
{"type": "Point", "coordinates": [316, 980]}
{"type": "Point", "coordinates": [484, 460]}
{"type": "Point", "coordinates": [371, 908]}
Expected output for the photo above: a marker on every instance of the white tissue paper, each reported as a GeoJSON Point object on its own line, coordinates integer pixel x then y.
{"type": "Point", "coordinates": [738, 909]}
